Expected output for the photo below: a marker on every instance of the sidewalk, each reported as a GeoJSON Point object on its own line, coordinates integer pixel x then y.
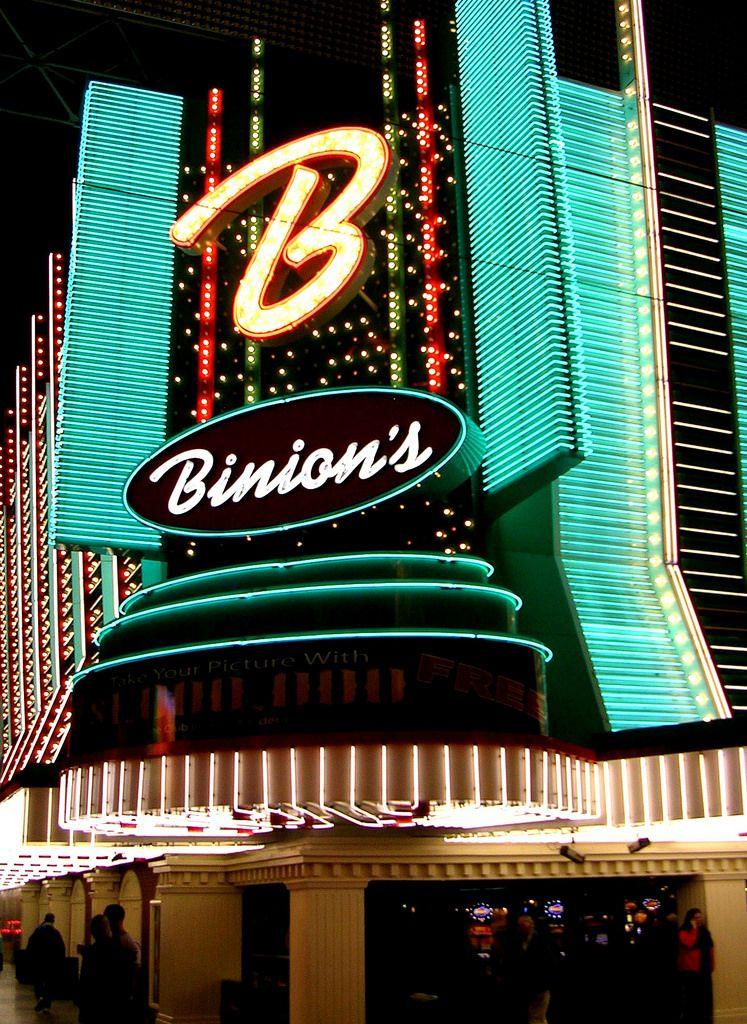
{"type": "Point", "coordinates": [17, 1003]}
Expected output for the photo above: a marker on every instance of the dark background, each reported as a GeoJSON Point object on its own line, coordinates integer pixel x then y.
{"type": "Point", "coordinates": [50, 49]}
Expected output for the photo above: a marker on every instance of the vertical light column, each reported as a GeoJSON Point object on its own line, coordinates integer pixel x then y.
{"type": "Point", "coordinates": [633, 634]}
{"type": "Point", "coordinates": [114, 382]}
{"type": "Point", "coordinates": [430, 221]}
{"type": "Point", "coordinates": [92, 610]}
{"type": "Point", "coordinates": [5, 656]}
{"type": "Point", "coordinates": [327, 953]}
{"type": "Point", "coordinates": [60, 562]}
{"type": "Point", "coordinates": [53, 727]}
{"type": "Point", "coordinates": [80, 635]}
{"type": "Point", "coordinates": [130, 576]}
{"type": "Point", "coordinates": [15, 659]}
{"type": "Point", "coordinates": [37, 553]}
{"type": "Point", "coordinates": [731, 150]}
{"type": "Point", "coordinates": [529, 346]}
{"type": "Point", "coordinates": [43, 581]}
{"type": "Point", "coordinates": [254, 216]}
{"type": "Point", "coordinates": [24, 544]}
{"type": "Point", "coordinates": [209, 267]}
{"type": "Point", "coordinates": [663, 541]}
{"type": "Point", "coordinates": [395, 242]}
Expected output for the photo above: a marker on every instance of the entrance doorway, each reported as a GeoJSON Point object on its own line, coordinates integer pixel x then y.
{"type": "Point", "coordinates": [430, 949]}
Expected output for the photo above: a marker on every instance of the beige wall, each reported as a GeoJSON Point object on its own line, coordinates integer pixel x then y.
{"type": "Point", "coordinates": [327, 955]}
{"type": "Point", "coordinates": [55, 898]}
{"type": "Point", "coordinates": [200, 943]}
{"type": "Point", "coordinates": [77, 935]}
{"type": "Point", "coordinates": [30, 915]}
{"type": "Point", "coordinates": [131, 898]}
{"type": "Point", "coordinates": [723, 900]}
{"type": "Point", "coordinates": [104, 889]}
{"type": "Point", "coordinates": [725, 906]}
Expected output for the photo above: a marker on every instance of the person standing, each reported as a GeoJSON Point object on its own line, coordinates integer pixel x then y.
{"type": "Point", "coordinates": [695, 963]}
{"type": "Point", "coordinates": [46, 952]}
{"type": "Point", "coordinates": [127, 965]}
{"type": "Point", "coordinates": [97, 974]}
{"type": "Point", "coordinates": [530, 967]}
{"type": "Point", "coordinates": [662, 948]}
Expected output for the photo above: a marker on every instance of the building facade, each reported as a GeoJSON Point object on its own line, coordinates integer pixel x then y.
{"type": "Point", "coordinates": [372, 525]}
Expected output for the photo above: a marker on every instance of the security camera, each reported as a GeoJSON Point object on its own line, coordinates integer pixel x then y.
{"type": "Point", "coordinates": [570, 853]}
{"type": "Point", "coordinates": [639, 844]}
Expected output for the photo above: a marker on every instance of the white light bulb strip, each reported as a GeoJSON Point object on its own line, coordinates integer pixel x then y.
{"type": "Point", "coordinates": [694, 653]}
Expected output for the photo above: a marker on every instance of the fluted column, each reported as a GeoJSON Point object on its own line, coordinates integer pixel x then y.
{"type": "Point", "coordinates": [29, 910]}
{"type": "Point", "coordinates": [56, 897]}
{"type": "Point", "coordinates": [722, 899]}
{"type": "Point", "coordinates": [200, 939]}
{"type": "Point", "coordinates": [327, 954]}
{"type": "Point", "coordinates": [104, 889]}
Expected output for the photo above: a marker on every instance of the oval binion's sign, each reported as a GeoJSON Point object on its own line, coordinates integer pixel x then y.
{"type": "Point", "coordinates": [296, 461]}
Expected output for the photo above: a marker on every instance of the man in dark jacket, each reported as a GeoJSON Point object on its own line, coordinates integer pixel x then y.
{"type": "Point", "coordinates": [531, 967]}
{"type": "Point", "coordinates": [46, 952]}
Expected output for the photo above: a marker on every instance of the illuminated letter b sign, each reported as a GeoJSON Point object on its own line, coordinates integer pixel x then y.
{"type": "Point", "coordinates": [322, 242]}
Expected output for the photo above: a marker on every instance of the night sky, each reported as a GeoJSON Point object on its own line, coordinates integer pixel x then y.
{"type": "Point", "coordinates": [696, 60]}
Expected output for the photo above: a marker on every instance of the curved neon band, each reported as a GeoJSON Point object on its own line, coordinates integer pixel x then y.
{"type": "Point", "coordinates": [349, 634]}
{"type": "Point", "coordinates": [300, 562]}
{"type": "Point", "coordinates": [315, 588]}
{"type": "Point", "coordinates": [301, 229]}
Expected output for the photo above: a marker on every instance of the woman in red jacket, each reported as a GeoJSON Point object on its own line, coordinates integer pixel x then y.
{"type": "Point", "coordinates": [695, 965]}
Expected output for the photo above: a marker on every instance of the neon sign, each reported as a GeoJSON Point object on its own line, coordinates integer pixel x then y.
{"type": "Point", "coordinates": [301, 460]}
{"type": "Point", "coordinates": [323, 244]}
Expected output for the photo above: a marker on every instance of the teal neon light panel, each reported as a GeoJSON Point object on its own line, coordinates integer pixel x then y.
{"type": "Point", "coordinates": [731, 148]}
{"type": "Point", "coordinates": [631, 635]}
{"type": "Point", "coordinates": [118, 324]}
{"type": "Point", "coordinates": [527, 336]}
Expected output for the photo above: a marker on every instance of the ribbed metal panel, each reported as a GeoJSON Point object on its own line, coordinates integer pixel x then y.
{"type": "Point", "coordinates": [117, 333]}
{"type": "Point", "coordinates": [604, 504]}
{"type": "Point", "coordinates": [701, 388]}
{"type": "Point", "coordinates": [731, 150]}
{"type": "Point", "coordinates": [731, 147]}
{"type": "Point", "coordinates": [529, 375]}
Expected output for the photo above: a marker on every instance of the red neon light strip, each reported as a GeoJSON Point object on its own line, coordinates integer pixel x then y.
{"type": "Point", "coordinates": [56, 319]}
{"type": "Point", "coordinates": [27, 595]}
{"type": "Point", "coordinates": [21, 584]}
{"type": "Point", "coordinates": [430, 220]}
{"type": "Point", "coordinates": [5, 656]}
{"type": "Point", "coordinates": [127, 576]}
{"type": "Point", "coordinates": [59, 715]}
{"type": "Point", "coordinates": [24, 498]}
{"type": "Point", "coordinates": [43, 580]}
{"type": "Point", "coordinates": [26, 582]}
{"type": "Point", "coordinates": [63, 564]}
{"type": "Point", "coordinates": [15, 597]}
{"type": "Point", "coordinates": [209, 269]}
{"type": "Point", "coordinates": [14, 678]}
{"type": "Point", "coordinates": [54, 634]}
{"type": "Point", "coordinates": [92, 597]}
{"type": "Point", "coordinates": [43, 637]}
